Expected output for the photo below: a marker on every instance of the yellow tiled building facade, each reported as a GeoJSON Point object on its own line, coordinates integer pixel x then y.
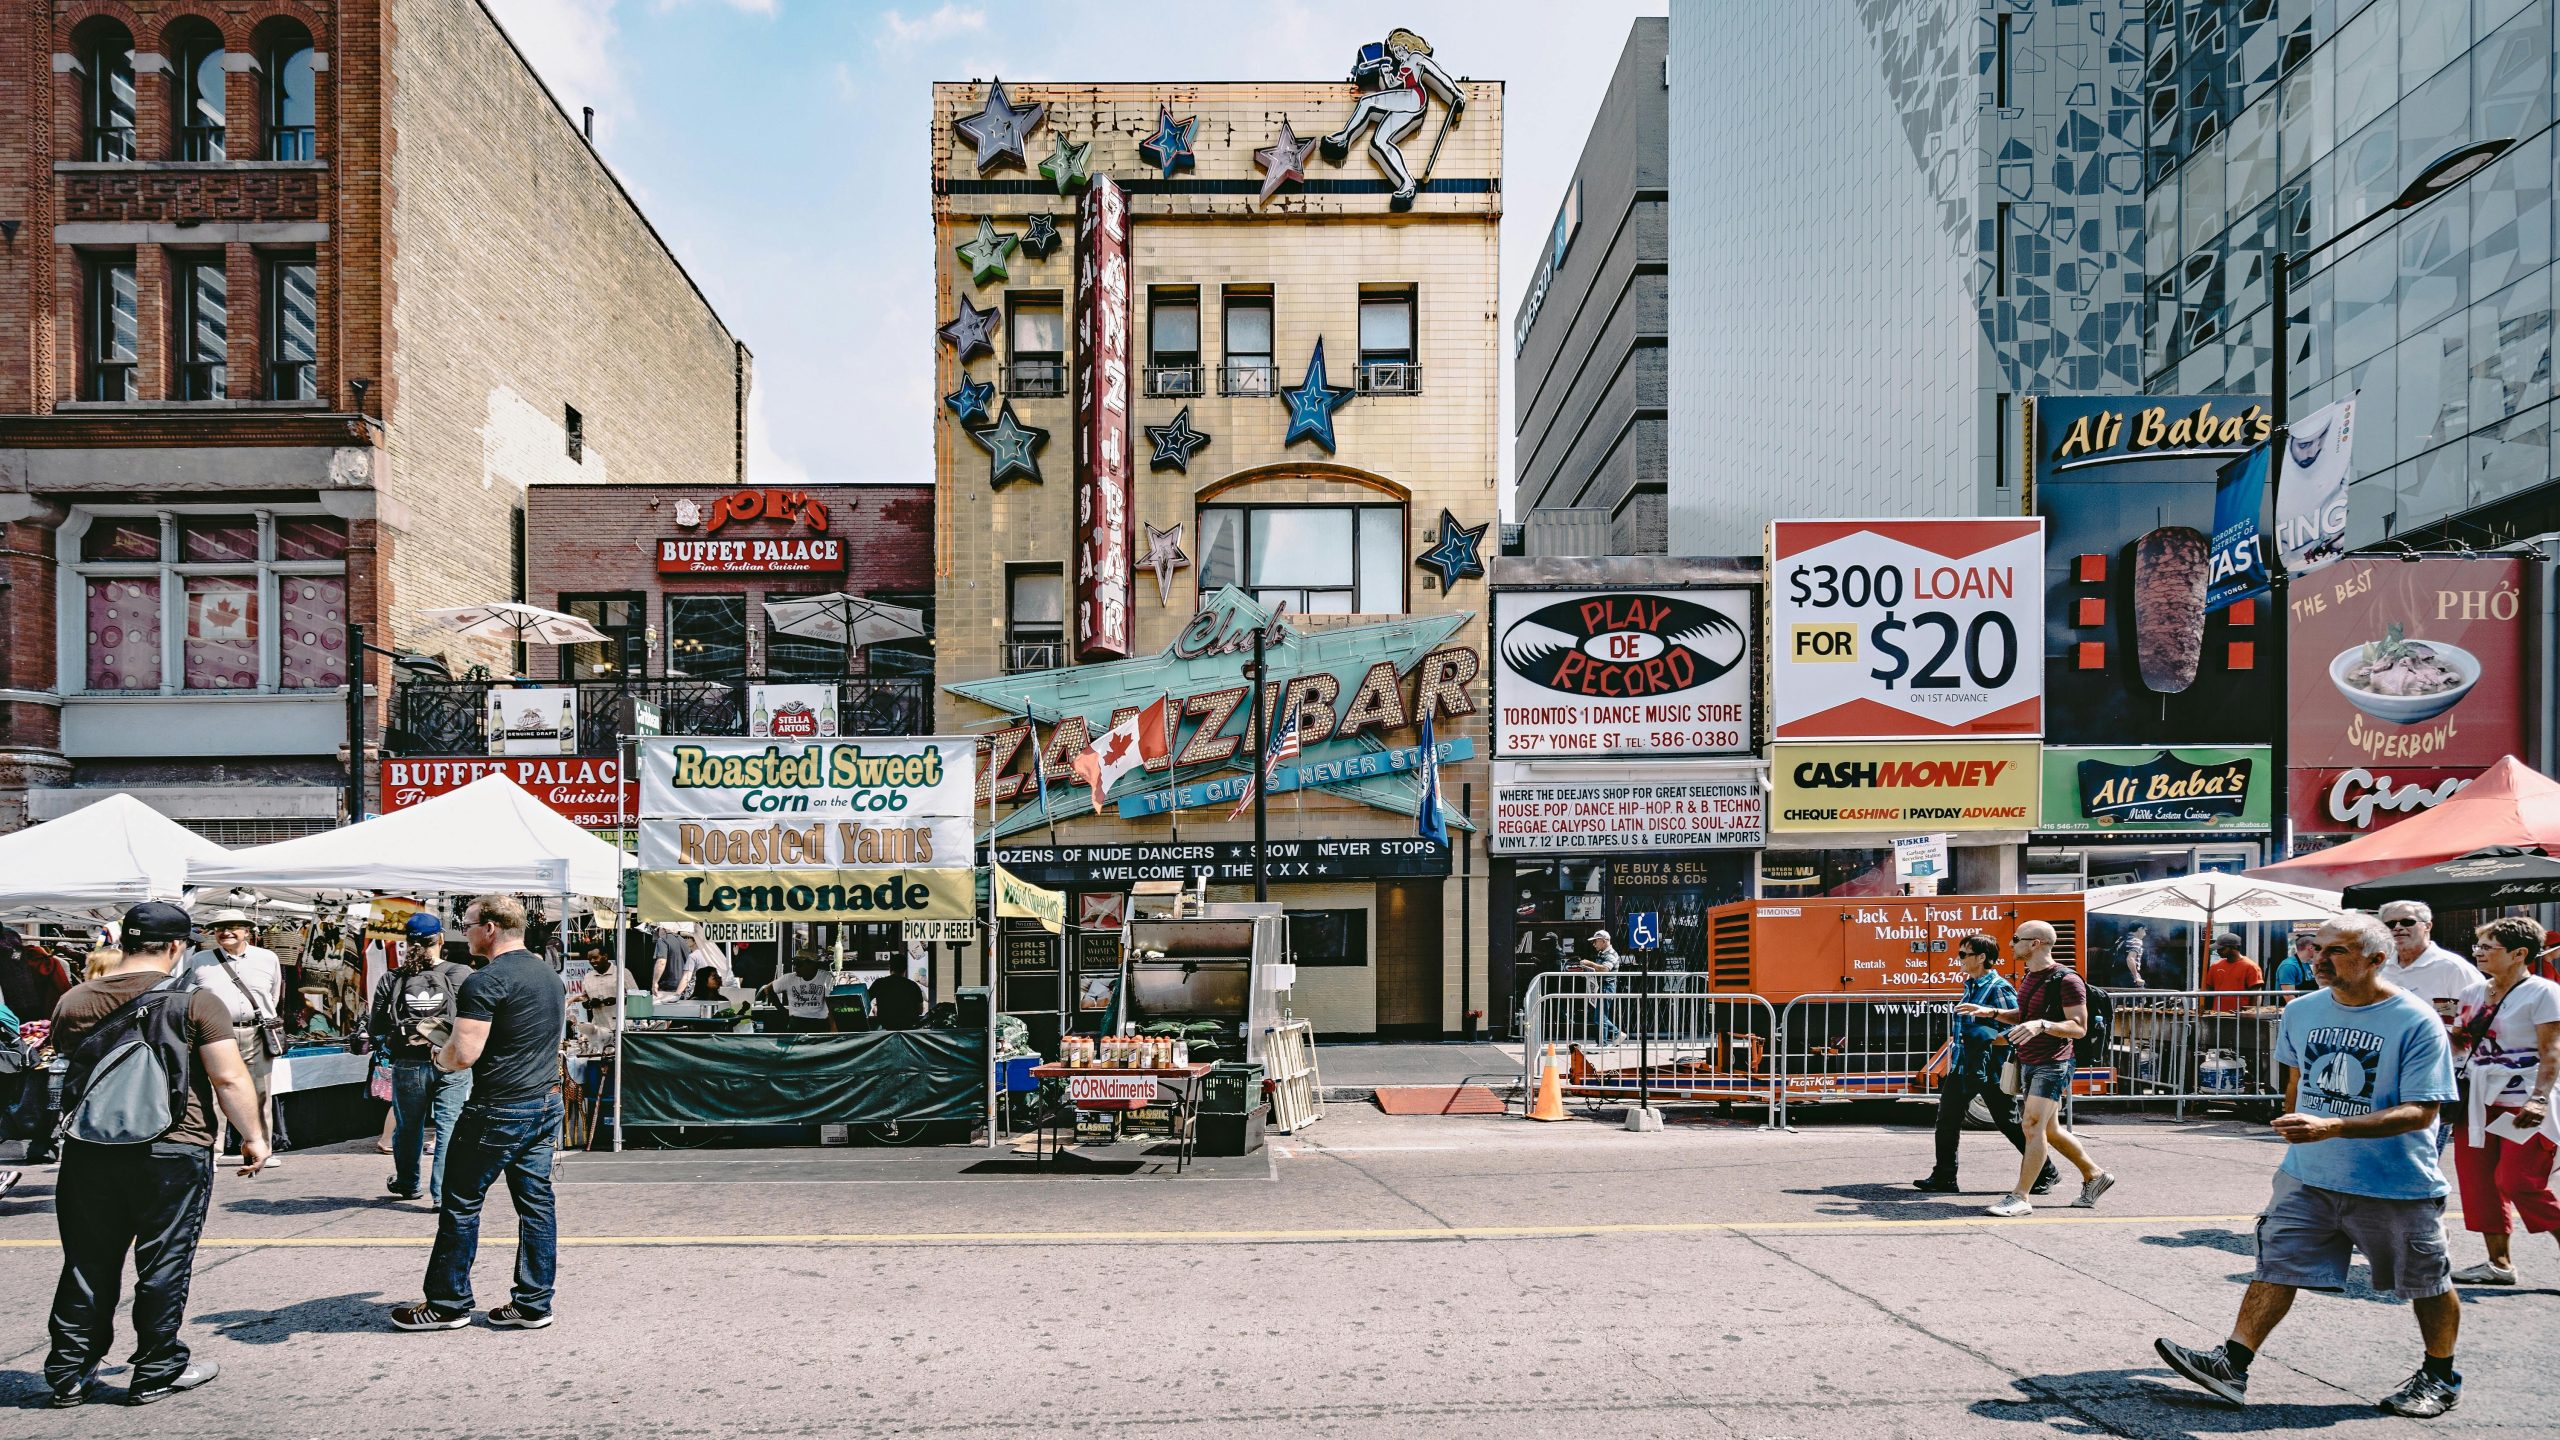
{"type": "Point", "coordinates": [1229, 295]}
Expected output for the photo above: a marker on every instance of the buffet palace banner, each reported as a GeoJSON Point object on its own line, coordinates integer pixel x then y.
{"type": "Point", "coordinates": [2408, 679]}
{"type": "Point", "coordinates": [875, 828]}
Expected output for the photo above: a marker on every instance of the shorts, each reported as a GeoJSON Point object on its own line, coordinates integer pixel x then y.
{"type": "Point", "coordinates": [2307, 1234]}
{"type": "Point", "coordinates": [2049, 1080]}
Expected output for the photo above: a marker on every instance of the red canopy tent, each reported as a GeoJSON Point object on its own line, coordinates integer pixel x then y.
{"type": "Point", "coordinates": [2510, 804]}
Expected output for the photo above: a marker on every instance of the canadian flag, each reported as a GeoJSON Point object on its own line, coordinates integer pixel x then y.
{"type": "Point", "coordinates": [1135, 741]}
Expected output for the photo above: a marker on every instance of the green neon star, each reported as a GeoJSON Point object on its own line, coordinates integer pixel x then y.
{"type": "Point", "coordinates": [986, 254]}
{"type": "Point", "coordinates": [1068, 166]}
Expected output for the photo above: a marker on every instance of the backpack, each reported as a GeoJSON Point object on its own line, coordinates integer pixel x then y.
{"type": "Point", "coordinates": [2091, 1049]}
{"type": "Point", "coordinates": [129, 1078]}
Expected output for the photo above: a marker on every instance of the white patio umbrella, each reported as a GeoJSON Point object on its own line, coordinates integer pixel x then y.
{"type": "Point", "coordinates": [838, 616]}
{"type": "Point", "coordinates": [507, 620]}
{"type": "Point", "coordinates": [2213, 899]}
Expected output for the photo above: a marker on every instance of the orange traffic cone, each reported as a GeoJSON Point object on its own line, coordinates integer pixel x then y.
{"type": "Point", "coordinates": [1550, 1104]}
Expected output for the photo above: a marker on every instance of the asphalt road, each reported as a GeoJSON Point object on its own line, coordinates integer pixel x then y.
{"type": "Point", "coordinates": [1377, 1278]}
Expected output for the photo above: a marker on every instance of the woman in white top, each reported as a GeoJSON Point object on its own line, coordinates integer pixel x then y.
{"type": "Point", "coordinates": [2508, 1028]}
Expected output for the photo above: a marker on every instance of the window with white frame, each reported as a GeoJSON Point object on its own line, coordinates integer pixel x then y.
{"type": "Point", "coordinates": [1319, 559]}
{"type": "Point", "coordinates": [200, 601]}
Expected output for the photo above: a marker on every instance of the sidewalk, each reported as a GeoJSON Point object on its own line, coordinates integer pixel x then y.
{"type": "Point", "coordinates": [1353, 1072]}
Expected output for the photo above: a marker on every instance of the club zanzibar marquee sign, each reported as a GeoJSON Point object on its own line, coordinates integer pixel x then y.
{"type": "Point", "coordinates": [1360, 693]}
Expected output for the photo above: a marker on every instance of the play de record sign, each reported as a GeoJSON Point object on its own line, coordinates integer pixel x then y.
{"type": "Point", "coordinates": [1906, 788]}
{"type": "Point", "coordinates": [1906, 629]}
{"type": "Point", "coordinates": [1663, 671]}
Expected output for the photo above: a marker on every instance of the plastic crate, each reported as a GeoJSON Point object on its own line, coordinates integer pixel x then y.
{"type": "Point", "coordinates": [1232, 1089]}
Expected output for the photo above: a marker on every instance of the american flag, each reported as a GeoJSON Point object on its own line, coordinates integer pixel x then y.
{"type": "Point", "coordinates": [1284, 747]}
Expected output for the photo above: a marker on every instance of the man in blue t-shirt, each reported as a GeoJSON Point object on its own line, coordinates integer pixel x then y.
{"type": "Point", "coordinates": [2367, 1065]}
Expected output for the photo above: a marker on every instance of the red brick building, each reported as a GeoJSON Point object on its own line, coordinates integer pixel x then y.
{"type": "Point", "coordinates": [296, 299]}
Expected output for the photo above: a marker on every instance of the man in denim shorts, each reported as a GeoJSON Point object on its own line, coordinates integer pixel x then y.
{"type": "Point", "coordinates": [2366, 1067]}
{"type": "Point", "coordinates": [2052, 1011]}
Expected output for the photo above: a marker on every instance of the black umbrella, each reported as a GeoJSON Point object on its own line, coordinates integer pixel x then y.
{"type": "Point", "coordinates": [2498, 875]}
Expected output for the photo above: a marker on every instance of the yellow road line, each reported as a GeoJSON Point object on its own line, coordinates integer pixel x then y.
{"type": "Point", "coordinates": [1212, 1237]}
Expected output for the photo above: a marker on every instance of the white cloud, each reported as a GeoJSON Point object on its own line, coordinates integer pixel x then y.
{"type": "Point", "coordinates": [573, 45]}
{"type": "Point", "coordinates": [765, 465]}
{"type": "Point", "coordinates": [897, 32]}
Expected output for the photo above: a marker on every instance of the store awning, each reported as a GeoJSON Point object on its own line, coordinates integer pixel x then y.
{"type": "Point", "coordinates": [116, 852]}
{"type": "Point", "coordinates": [490, 835]}
{"type": "Point", "coordinates": [2510, 804]}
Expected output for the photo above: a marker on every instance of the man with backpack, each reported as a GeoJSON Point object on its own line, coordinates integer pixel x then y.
{"type": "Point", "coordinates": [413, 1011]}
{"type": "Point", "coordinates": [2053, 1010]}
{"type": "Point", "coordinates": [151, 1057]}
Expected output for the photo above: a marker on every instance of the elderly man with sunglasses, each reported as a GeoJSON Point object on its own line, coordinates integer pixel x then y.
{"type": "Point", "coordinates": [2421, 966]}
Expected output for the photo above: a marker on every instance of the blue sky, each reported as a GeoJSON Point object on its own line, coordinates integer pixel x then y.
{"type": "Point", "coordinates": [780, 147]}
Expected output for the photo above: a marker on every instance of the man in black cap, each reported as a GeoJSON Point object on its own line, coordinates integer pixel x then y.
{"type": "Point", "coordinates": [412, 1014]}
{"type": "Point", "coordinates": [149, 1199]}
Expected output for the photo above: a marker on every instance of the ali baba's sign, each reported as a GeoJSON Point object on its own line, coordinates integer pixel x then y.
{"type": "Point", "coordinates": [2187, 788]}
{"type": "Point", "coordinates": [1360, 693]}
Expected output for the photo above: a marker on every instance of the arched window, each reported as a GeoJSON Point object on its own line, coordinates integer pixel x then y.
{"type": "Point", "coordinates": [285, 83]}
{"type": "Point", "coordinates": [195, 54]}
{"type": "Point", "coordinates": [106, 92]}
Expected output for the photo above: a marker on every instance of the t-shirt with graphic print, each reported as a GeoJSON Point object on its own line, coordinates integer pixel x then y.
{"type": "Point", "coordinates": [2514, 1040]}
{"type": "Point", "coordinates": [2356, 1059]}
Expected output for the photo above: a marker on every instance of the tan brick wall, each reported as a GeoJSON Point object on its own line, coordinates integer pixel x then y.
{"type": "Point", "coordinates": [523, 282]}
{"type": "Point", "coordinates": [1439, 448]}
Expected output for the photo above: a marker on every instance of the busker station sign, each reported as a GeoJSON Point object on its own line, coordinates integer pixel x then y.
{"type": "Point", "coordinates": [1360, 693]}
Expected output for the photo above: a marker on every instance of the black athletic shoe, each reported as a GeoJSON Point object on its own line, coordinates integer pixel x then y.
{"type": "Point", "coordinates": [423, 1316]}
{"type": "Point", "coordinates": [516, 1317]}
{"type": "Point", "coordinates": [1936, 1185]}
{"type": "Point", "coordinates": [2210, 1369]}
{"type": "Point", "coordinates": [2423, 1397]}
{"type": "Point", "coordinates": [74, 1395]}
{"type": "Point", "coordinates": [2045, 1182]}
{"type": "Point", "coordinates": [198, 1372]}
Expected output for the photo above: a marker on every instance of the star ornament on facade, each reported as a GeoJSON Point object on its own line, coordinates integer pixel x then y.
{"type": "Point", "coordinates": [999, 129]}
{"type": "Point", "coordinates": [1312, 404]}
{"type": "Point", "coordinates": [1012, 447]}
{"type": "Point", "coordinates": [1283, 160]}
{"type": "Point", "coordinates": [969, 402]}
{"type": "Point", "coordinates": [1164, 556]}
{"type": "Point", "coordinates": [972, 331]}
{"type": "Point", "coordinates": [1456, 554]}
{"type": "Point", "coordinates": [1039, 235]}
{"type": "Point", "coordinates": [1169, 149]}
{"type": "Point", "coordinates": [1175, 443]}
{"type": "Point", "coordinates": [1068, 167]}
{"type": "Point", "coordinates": [985, 256]}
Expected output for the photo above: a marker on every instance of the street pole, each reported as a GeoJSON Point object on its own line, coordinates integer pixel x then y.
{"type": "Point", "coordinates": [1466, 907]}
{"type": "Point", "coordinates": [2279, 580]}
{"type": "Point", "coordinates": [355, 721]}
{"type": "Point", "coordinates": [1261, 792]}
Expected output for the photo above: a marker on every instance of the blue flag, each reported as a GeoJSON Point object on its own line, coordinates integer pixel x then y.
{"type": "Point", "coordinates": [1039, 771]}
{"type": "Point", "coordinates": [2239, 499]}
{"type": "Point", "coordinates": [1428, 812]}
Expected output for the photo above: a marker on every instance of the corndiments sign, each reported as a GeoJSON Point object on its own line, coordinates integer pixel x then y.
{"type": "Point", "coordinates": [1104, 580]}
{"type": "Point", "coordinates": [1625, 672]}
{"type": "Point", "coordinates": [1891, 629]}
{"type": "Point", "coordinates": [749, 830]}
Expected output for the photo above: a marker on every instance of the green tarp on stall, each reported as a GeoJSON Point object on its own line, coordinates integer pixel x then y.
{"type": "Point", "coordinates": [871, 1078]}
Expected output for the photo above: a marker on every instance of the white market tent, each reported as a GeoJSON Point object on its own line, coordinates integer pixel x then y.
{"type": "Point", "coordinates": [114, 853]}
{"type": "Point", "coordinates": [490, 835]}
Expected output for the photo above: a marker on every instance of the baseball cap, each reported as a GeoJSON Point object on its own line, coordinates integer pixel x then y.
{"type": "Point", "coordinates": [421, 926]}
{"type": "Point", "coordinates": [1599, 935]}
{"type": "Point", "coordinates": [156, 922]}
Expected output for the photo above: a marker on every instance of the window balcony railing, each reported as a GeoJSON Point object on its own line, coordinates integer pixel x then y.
{"type": "Point", "coordinates": [1034, 655]}
{"type": "Point", "coordinates": [292, 142]}
{"type": "Point", "coordinates": [1245, 377]}
{"type": "Point", "coordinates": [449, 717]}
{"type": "Point", "coordinates": [200, 142]}
{"type": "Point", "coordinates": [1036, 379]}
{"type": "Point", "coordinates": [1173, 380]}
{"type": "Point", "coordinates": [1390, 377]}
{"type": "Point", "coordinates": [111, 143]}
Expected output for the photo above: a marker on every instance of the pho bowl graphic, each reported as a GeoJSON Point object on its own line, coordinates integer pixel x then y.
{"type": "Point", "coordinates": [2459, 664]}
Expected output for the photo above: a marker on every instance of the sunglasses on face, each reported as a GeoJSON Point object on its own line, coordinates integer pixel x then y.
{"type": "Point", "coordinates": [2403, 923]}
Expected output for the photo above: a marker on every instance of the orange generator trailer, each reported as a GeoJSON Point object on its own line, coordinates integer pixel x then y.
{"type": "Point", "coordinates": [1880, 945]}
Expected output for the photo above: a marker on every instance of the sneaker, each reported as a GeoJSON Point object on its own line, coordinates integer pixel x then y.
{"type": "Point", "coordinates": [1936, 1185]}
{"type": "Point", "coordinates": [9, 1180]}
{"type": "Point", "coordinates": [2208, 1368]}
{"type": "Point", "coordinates": [393, 1190]}
{"type": "Point", "coordinates": [2485, 1273]}
{"type": "Point", "coordinates": [198, 1372]}
{"type": "Point", "coordinates": [2090, 1190]}
{"type": "Point", "coordinates": [2045, 1182]}
{"type": "Point", "coordinates": [2010, 1207]}
{"type": "Point", "coordinates": [2423, 1397]}
{"type": "Point", "coordinates": [74, 1395]}
{"type": "Point", "coordinates": [423, 1316]}
{"type": "Point", "coordinates": [514, 1317]}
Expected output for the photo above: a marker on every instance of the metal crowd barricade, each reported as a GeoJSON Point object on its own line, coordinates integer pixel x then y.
{"type": "Point", "coordinates": [1651, 1037]}
{"type": "Point", "coordinates": [2183, 1047]}
{"type": "Point", "coordinates": [1863, 1047]}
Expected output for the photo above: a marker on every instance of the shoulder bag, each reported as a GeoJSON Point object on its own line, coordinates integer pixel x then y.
{"type": "Point", "coordinates": [270, 1026]}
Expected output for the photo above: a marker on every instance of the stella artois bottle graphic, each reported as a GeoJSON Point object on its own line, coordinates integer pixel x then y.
{"type": "Point", "coordinates": [763, 722]}
{"type": "Point", "coordinates": [827, 716]}
{"type": "Point", "coordinates": [497, 724]}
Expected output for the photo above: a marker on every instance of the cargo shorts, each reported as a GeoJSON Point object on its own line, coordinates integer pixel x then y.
{"type": "Point", "coordinates": [2307, 1234]}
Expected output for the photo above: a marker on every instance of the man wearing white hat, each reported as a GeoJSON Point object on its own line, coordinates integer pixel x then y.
{"type": "Point", "coordinates": [250, 981]}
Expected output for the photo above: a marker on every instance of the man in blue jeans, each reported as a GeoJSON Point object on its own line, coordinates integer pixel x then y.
{"type": "Point", "coordinates": [507, 1027]}
{"type": "Point", "coordinates": [413, 1011]}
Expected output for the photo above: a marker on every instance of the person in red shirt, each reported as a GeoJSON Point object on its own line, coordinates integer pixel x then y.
{"type": "Point", "coordinates": [2231, 970]}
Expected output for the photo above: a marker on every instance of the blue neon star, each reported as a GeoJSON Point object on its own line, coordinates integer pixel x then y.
{"type": "Point", "coordinates": [970, 331]}
{"type": "Point", "coordinates": [1312, 404]}
{"type": "Point", "coordinates": [1454, 554]}
{"type": "Point", "coordinates": [969, 402]}
{"type": "Point", "coordinates": [1012, 447]}
{"type": "Point", "coordinates": [1039, 235]}
{"type": "Point", "coordinates": [1170, 147]}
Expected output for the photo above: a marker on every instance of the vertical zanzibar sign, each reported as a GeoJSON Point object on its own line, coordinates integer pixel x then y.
{"type": "Point", "coordinates": [1103, 576]}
